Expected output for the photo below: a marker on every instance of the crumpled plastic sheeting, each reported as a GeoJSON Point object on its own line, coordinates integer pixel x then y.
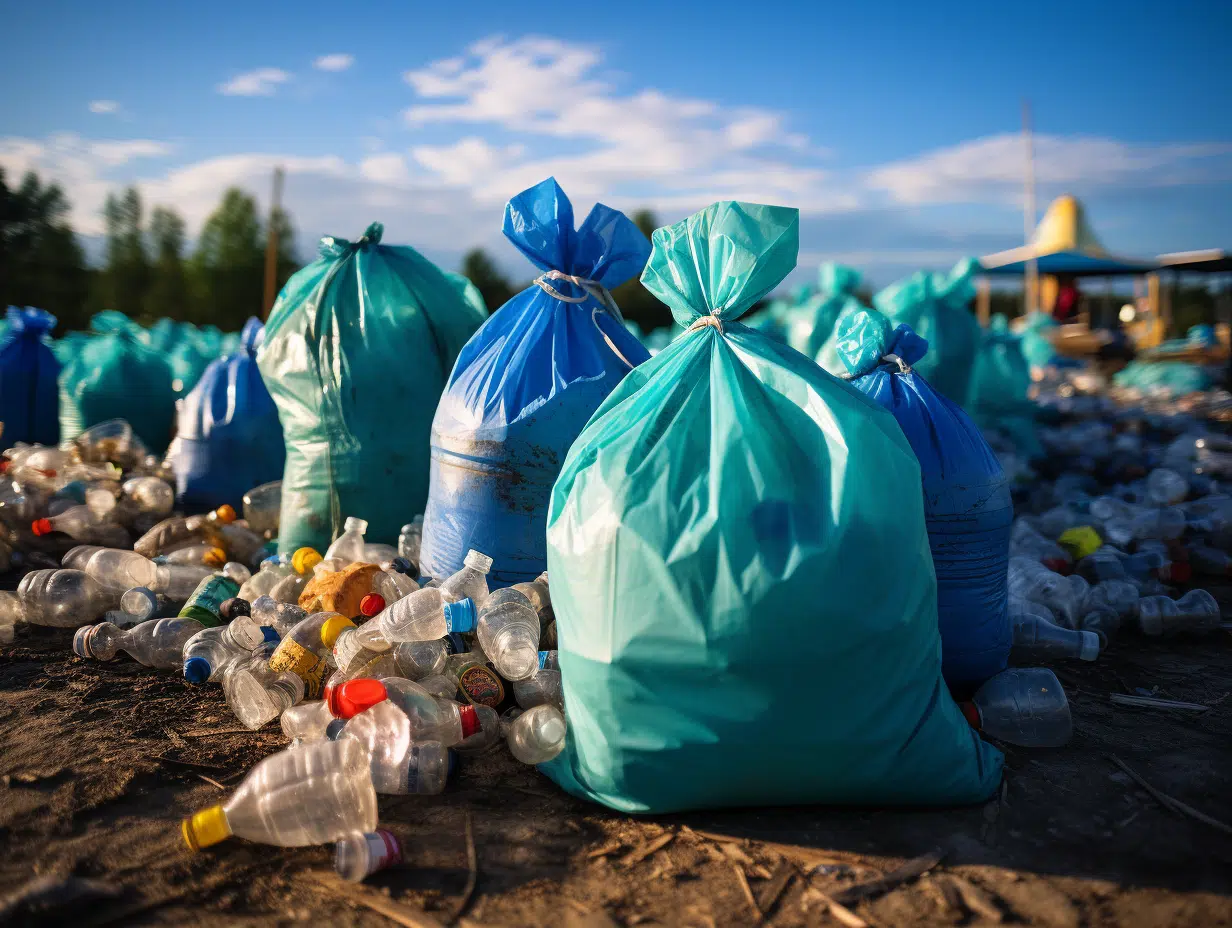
{"type": "Point", "coordinates": [967, 505]}
{"type": "Point", "coordinates": [524, 386]}
{"type": "Point", "coordinates": [745, 598]}
{"type": "Point", "coordinates": [357, 350]}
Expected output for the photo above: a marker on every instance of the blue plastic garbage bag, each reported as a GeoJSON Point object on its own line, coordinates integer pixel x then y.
{"type": "Point", "coordinates": [745, 600]}
{"type": "Point", "coordinates": [357, 349]}
{"type": "Point", "coordinates": [997, 396]}
{"type": "Point", "coordinates": [118, 376]}
{"type": "Point", "coordinates": [228, 437]}
{"type": "Point", "coordinates": [29, 395]}
{"type": "Point", "coordinates": [936, 306]}
{"type": "Point", "coordinates": [967, 503]}
{"type": "Point", "coordinates": [526, 383]}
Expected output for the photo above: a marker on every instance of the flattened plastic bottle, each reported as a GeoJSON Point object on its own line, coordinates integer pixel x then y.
{"type": "Point", "coordinates": [282, 617]}
{"type": "Point", "coordinates": [261, 508]}
{"type": "Point", "coordinates": [156, 644]}
{"type": "Point", "coordinates": [471, 582]}
{"type": "Point", "coordinates": [315, 793]}
{"type": "Point", "coordinates": [1196, 612]}
{"type": "Point", "coordinates": [508, 630]}
{"type": "Point", "coordinates": [257, 694]}
{"type": "Point", "coordinates": [358, 856]}
{"type": "Point", "coordinates": [538, 734]}
{"type": "Point", "coordinates": [306, 650]}
{"type": "Point", "coordinates": [1037, 639]}
{"type": "Point", "coordinates": [210, 652]}
{"type": "Point", "coordinates": [349, 546]}
{"type": "Point", "coordinates": [426, 615]}
{"type": "Point", "coordinates": [544, 687]}
{"type": "Point", "coordinates": [1025, 706]}
{"type": "Point", "coordinates": [63, 598]}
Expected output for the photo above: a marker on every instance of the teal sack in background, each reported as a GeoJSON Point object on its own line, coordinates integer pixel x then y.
{"type": "Point", "coordinates": [936, 306]}
{"type": "Point", "coordinates": [813, 321]}
{"type": "Point", "coordinates": [997, 396]}
{"type": "Point", "coordinates": [745, 598]}
{"type": "Point", "coordinates": [357, 350]}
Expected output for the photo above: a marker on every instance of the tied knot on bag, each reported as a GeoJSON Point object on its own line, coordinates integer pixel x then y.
{"type": "Point", "coordinates": [591, 288]}
{"type": "Point", "coordinates": [705, 320]}
{"type": "Point", "coordinates": [903, 367]}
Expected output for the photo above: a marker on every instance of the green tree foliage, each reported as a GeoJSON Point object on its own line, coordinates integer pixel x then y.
{"type": "Point", "coordinates": [228, 267]}
{"type": "Point", "coordinates": [41, 263]}
{"type": "Point", "coordinates": [126, 276]}
{"type": "Point", "coordinates": [635, 301]}
{"type": "Point", "coordinates": [480, 270]}
{"type": "Point", "coordinates": [167, 294]}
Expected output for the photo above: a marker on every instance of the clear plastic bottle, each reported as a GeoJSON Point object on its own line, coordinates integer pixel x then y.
{"type": "Point", "coordinates": [409, 539]}
{"type": "Point", "coordinates": [358, 856]}
{"type": "Point", "coordinates": [289, 588]}
{"type": "Point", "coordinates": [11, 613]}
{"type": "Point", "coordinates": [315, 793]}
{"type": "Point", "coordinates": [542, 687]}
{"type": "Point", "coordinates": [418, 659]}
{"type": "Point", "coordinates": [1024, 706]}
{"type": "Point", "coordinates": [426, 615]}
{"type": "Point", "coordinates": [174, 531]}
{"type": "Point", "coordinates": [1197, 611]}
{"type": "Point", "coordinates": [121, 570]}
{"type": "Point", "coordinates": [156, 644]}
{"type": "Point", "coordinates": [378, 553]}
{"type": "Point", "coordinates": [179, 581]}
{"type": "Point", "coordinates": [537, 735]}
{"type": "Point", "coordinates": [508, 631]}
{"type": "Point", "coordinates": [76, 522]}
{"type": "Point", "coordinates": [200, 553]}
{"type": "Point", "coordinates": [1037, 639]}
{"type": "Point", "coordinates": [360, 643]}
{"type": "Point", "coordinates": [149, 495]}
{"type": "Point", "coordinates": [385, 732]}
{"type": "Point", "coordinates": [540, 597]}
{"type": "Point", "coordinates": [1031, 581]}
{"type": "Point", "coordinates": [257, 694]}
{"type": "Point", "coordinates": [349, 546]}
{"type": "Point", "coordinates": [471, 582]}
{"type": "Point", "coordinates": [262, 507]}
{"type": "Point", "coordinates": [306, 722]}
{"type": "Point", "coordinates": [306, 650]}
{"type": "Point", "coordinates": [432, 719]}
{"type": "Point", "coordinates": [144, 604]}
{"type": "Point", "coordinates": [1210, 562]}
{"type": "Point", "coordinates": [282, 617]}
{"type": "Point", "coordinates": [63, 598]}
{"type": "Point", "coordinates": [1165, 487]}
{"type": "Point", "coordinates": [210, 652]}
{"type": "Point", "coordinates": [1167, 524]}
{"type": "Point", "coordinates": [391, 586]}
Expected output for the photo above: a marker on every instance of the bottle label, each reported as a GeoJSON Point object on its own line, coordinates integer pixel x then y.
{"type": "Point", "coordinates": [481, 685]}
{"type": "Point", "coordinates": [208, 597]}
{"type": "Point", "coordinates": [293, 657]}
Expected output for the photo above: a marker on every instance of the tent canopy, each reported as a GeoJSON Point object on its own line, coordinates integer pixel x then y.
{"type": "Point", "coordinates": [1208, 261]}
{"type": "Point", "coordinates": [1064, 243]}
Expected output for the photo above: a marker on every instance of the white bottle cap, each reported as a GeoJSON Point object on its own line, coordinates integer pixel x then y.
{"type": "Point", "coordinates": [1090, 646]}
{"type": "Point", "coordinates": [478, 560]}
{"type": "Point", "coordinates": [354, 524]}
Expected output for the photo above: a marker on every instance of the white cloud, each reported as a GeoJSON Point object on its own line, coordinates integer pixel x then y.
{"type": "Point", "coordinates": [120, 152]}
{"type": "Point", "coordinates": [385, 168]}
{"type": "Point", "coordinates": [262, 82]}
{"type": "Point", "coordinates": [992, 169]}
{"type": "Point", "coordinates": [336, 62]}
{"type": "Point", "coordinates": [104, 107]}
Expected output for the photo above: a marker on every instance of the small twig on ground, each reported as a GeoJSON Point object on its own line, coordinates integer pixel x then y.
{"type": "Point", "coordinates": [188, 763]}
{"type": "Point", "coordinates": [175, 739]}
{"type": "Point", "coordinates": [394, 911]}
{"type": "Point", "coordinates": [717, 839]}
{"type": "Point", "coordinates": [748, 893]}
{"type": "Point", "coordinates": [610, 848]}
{"type": "Point", "coordinates": [976, 900]}
{"type": "Point", "coordinates": [472, 874]}
{"type": "Point", "coordinates": [784, 873]}
{"type": "Point", "coordinates": [1173, 805]}
{"type": "Point", "coordinates": [1149, 702]}
{"type": "Point", "coordinates": [210, 732]}
{"type": "Point", "coordinates": [839, 911]}
{"type": "Point", "coordinates": [913, 868]}
{"type": "Point", "coordinates": [211, 782]}
{"type": "Point", "coordinates": [641, 853]}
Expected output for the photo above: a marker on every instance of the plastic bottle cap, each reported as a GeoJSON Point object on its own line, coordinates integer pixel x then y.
{"type": "Point", "coordinates": [478, 560]}
{"type": "Point", "coordinates": [271, 634]}
{"type": "Point", "coordinates": [1178, 572]}
{"type": "Point", "coordinates": [197, 670]}
{"type": "Point", "coordinates": [215, 557]}
{"type": "Point", "coordinates": [225, 513]}
{"type": "Point", "coordinates": [460, 616]}
{"type": "Point", "coordinates": [470, 721]}
{"type": "Point", "coordinates": [354, 696]}
{"type": "Point", "coordinates": [233, 608]}
{"type": "Point", "coordinates": [81, 641]}
{"type": "Point", "coordinates": [304, 559]}
{"type": "Point", "coordinates": [40, 527]}
{"type": "Point", "coordinates": [402, 565]}
{"type": "Point", "coordinates": [353, 524]}
{"type": "Point", "coordinates": [334, 729]}
{"type": "Point", "coordinates": [209, 826]}
{"type": "Point", "coordinates": [371, 605]}
{"type": "Point", "coordinates": [1090, 646]}
{"type": "Point", "coordinates": [972, 713]}
{"type": "Point", "coordinates": [334, 627]}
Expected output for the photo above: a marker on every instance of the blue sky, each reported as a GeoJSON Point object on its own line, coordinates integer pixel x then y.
{"type": "Point", "coordinates": [893, 126]}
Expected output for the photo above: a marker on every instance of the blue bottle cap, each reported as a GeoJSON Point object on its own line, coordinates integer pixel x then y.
{"type": "Point", "coordinates": [197, 670]}
{"type": "Point", "coordinates": [271, 634]}
{"type": "Point", "coordinates": [402, 565]}
{"type": "Point", "coordinates": [334, 729]}
{"type": "Point", "coordinates": [460, 616]}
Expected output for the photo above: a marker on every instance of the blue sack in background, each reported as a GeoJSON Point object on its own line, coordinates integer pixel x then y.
{"type": "Point", "coordinates": [967, 504]}
{"type": "Point", "coordinates": [525, 385]}
{"type": "Point", "coordinates": [228, 439]}
{"type": "Point", "coordinates": [745, 600]}
{"type": "Point", "coordinates": [29, 395]}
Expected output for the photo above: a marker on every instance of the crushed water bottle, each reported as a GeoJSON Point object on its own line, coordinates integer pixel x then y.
{"type": "Point", "coordinates": [63, 598]}
{"type": "Point", "coordinates": [508, 632]}
{"type": "Point", "coordinates": [1026, 707]}
{"type": "Point", "coordinates": [257, 694]}
{"type": "Point", "coordinates": [543, 687]}
{"type": "Point", "coordinates": [156, 644]}
{"type": "Point", "coordinates": [311, 794]}
{"type": "Point", "coordinates": [409, 539]}
{"type": "Point", "coordinates": [1196, 612]}
{"type": "Point", "coordinates": [537, 735]}
{"type": "Point", "coordinates": [210, 652]}
{"type": "Point", "coordinates": [262, 507]}
{"type": "Point", "coordinates": [1037, 639]}
{"type": "Point", "coordinates": [359, 855]}
{"type": "Point", "coordinates": [349, 546]}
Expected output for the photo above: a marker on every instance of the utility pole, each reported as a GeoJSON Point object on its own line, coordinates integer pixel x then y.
{"type": "Point", "coordinates": [271, 247]}
{"type": "Point", "coordinates": [1031, 281]}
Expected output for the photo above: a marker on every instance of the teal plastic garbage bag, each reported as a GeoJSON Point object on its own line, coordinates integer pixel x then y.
{"type": "Point", "coordinates": [967, 505]}
{"type": "Point", "coordinates": [357, 350]}
{"type": "Point", "coordinates": [745, 600]}
{"type": "Point", "coordinates": [997, 396]}
{"type": "Point", "coordinates": [29, 395]}
{"type": "Point", "coordinates": [228, 438]}
{"type": "Point", "coordinates": [936, 306]}
{"type": "Point", "coordinates": [813, 319]}
{"type": "Point", "coordinates": [1037, 346]}
{"type": "Point", "coordinates": [1173, 378]}
{"type": "Point", "coordinates": [118, 376]}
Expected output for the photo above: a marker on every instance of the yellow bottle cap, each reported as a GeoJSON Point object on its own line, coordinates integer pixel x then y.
{"type": "Point", "coordinates": [209, 826]}
{"type": "Point", "coordinates": [215, 557]}
{"type": "Point", "coordinates": [304, 559]}
{"type": "Point", "coordinates": [334, 627]}
{"type": "Point", "coordinates": [1080, 541]}
{"type": "Point", "coordinates": [225, 513]}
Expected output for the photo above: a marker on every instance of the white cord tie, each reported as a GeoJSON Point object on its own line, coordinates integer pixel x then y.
{"type": "Point", "coordinates": [903, 367]}
{"type": "Point", "coordinates": [707, 319]}
{"type": "Point", "coordinates": [593, 289]}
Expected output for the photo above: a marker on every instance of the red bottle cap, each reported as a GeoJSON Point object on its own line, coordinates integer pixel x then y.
{"type": "Point", "coordinates": [40, 526]}
{"type": "Point", "coordinates": [371, 605]}
{"type": "Point", "coordinates": [470, 720]}
{"type": "Point", "coordinates": [1178, 572]}
{"type": "Point", "coordinates": [4, 465]}
{"type": "Point", "coordinates": [353, 697]}
{"type": "Point", "coordinates": [1058, 565]}
{"type": "Point", "coordinates": [972, 714]}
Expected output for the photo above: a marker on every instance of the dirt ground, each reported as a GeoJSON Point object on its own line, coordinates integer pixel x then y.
{"type": "Point", "coordinates": [100, 761]}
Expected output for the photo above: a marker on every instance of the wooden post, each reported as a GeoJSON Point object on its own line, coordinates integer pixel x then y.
{"type": "Point", "coordinates": [1031, 281]}
{"type": "Point", "coordinates": [271, 247]}
{"type": "Point", "coordinates": [983, 301]}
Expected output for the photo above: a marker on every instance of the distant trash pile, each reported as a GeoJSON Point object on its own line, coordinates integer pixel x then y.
{"type": "Point", "coordinates": [412, 536]}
